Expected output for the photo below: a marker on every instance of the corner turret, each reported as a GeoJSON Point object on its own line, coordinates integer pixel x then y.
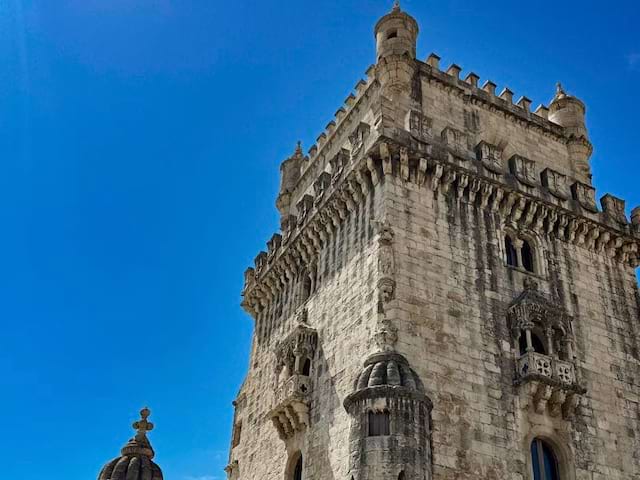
{"type": "Point", "coordinates": [569, 112]}
{"type": "Point", "coordinates": [396, 34]}
{"type": "Point", "coordinates": [289, 176]}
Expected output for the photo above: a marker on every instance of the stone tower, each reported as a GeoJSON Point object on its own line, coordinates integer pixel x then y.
{"type": "Point", "coordinates": [445, 300]}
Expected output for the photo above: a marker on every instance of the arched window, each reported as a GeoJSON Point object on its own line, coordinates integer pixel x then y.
{"type": "Point", "coordinates": [543, 460]}
{"type": "Point", "coordinates": [527, 257]}
{"type": "Point", "coordinates": [297, 472]}
{"type": "Point", "coordinates": [512, 254]}
{"type": "Point", "coordinates": [536, 343]}
{"type": "Point", "coordinates": [379, 424]}
{"type": "Point", "coordinates": [306, 367]}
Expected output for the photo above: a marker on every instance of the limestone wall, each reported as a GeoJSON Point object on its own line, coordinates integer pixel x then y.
{"type": "Point", "coordinates": [453, 289]}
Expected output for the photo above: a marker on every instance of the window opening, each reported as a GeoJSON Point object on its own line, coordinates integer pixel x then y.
{"type": "Point", "coordinates": [543, 460]}
{"type": "Point", "coordinates": [392, 34]}
{"type": "Point", "coordinates": [379, 424]}
{"type": "Point", "coordinates": [306, 367]}
{"type": "Point", "coordinates": [512, 255]}
{"type": "Point", "coordinates": [527, 256]}
{"type": "Point", "coordinates": [297, 473]}
{"type": "Point", "coordinates": [306, 288]}
{"type": "Point", "coordinates": [536, 343]}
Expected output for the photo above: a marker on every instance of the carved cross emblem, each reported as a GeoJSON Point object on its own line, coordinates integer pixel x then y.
{"type": "Point", "coordinates": [143, 426]}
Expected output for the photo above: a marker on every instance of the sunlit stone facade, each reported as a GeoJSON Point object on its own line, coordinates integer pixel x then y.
{"type": "Point", "coordinates": [445, 299]}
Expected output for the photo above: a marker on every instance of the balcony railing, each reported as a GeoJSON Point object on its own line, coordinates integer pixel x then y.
{"type": "Point", "coordinates": [537, 363]}
{"type": "Point", "coordinates": [296, 387]}
{"type": "Point", "coordinates": [291, 406]}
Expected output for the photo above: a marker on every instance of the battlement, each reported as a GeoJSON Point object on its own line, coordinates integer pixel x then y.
{"type": "Point", "coordinates": [485, 95]}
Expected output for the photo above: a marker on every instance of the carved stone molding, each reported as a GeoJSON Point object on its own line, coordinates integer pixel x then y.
{"type": "Point", "coordinates": [556, 183]}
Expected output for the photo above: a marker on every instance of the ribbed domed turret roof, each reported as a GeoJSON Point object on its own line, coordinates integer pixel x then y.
{"type": "Point", "coordinates": [134, 462]}
{"type": "Point", "coordinates": [388, 369]}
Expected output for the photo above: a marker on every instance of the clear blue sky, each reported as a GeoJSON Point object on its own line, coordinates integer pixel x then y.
{"type": "Point", "coordinates": [140, 142]}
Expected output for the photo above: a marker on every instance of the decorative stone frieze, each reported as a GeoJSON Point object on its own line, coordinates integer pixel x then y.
{"type": "Point", "coordinates": [524, 170]}
{"type": "Point", "coordinates": [357, 138]}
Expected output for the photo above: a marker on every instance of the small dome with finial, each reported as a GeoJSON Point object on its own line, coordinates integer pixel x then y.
{"type": "Point", "coordinates": [135, 460]}
{"type": "Point", "coordinates": [396, 33]}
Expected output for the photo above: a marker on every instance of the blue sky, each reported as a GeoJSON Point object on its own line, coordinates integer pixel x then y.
{"type": "Point", "coordinates": [139, 146]}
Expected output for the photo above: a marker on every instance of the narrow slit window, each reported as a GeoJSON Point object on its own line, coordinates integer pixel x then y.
{"type": "Point", "coordinates": [379, 424]}
{"type": "Point", "coordinates": [306, 367]}
{"type": "Point", "coordinates": [527, 256]}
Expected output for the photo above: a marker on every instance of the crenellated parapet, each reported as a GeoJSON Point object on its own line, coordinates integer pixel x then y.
{"type": "Point", "coordinates": [563, 120]}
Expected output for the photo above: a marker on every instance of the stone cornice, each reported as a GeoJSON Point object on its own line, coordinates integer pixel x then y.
{"type": "Point", "coordinates": [516, 206]}
{"type": "Point", "coordinates": [441, 170]}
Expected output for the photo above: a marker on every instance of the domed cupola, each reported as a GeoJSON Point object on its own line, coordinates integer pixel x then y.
{"type": "Point", "coordinates": [135, 460]}
{"type": "Point", "coordinates": [391, 428]}
{"type": "Point", "coordinates": [387, 370]}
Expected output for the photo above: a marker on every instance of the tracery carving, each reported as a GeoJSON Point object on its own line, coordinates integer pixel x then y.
{"type": "Point", "coordinates": [548, 379]}
{"type": "Point", "coordinates": [386, 262]}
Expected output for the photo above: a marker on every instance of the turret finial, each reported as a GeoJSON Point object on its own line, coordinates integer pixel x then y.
{"type": "Point", "coordinates": [560, 91]}
{"type": "Point", "coordinates": [143, 426]}
{"type": "Point", "coordinates": [396, 6]}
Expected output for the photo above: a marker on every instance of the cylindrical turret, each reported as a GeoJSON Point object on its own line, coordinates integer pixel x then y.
{"type": "Point", "coordinates": [396, 34]}
{"type": "Point", "coordinates": [289, 176]}
{"type": "Point", "coordinates": [390, 430]}
{"type": "Point", "coordinates": [569, 112]}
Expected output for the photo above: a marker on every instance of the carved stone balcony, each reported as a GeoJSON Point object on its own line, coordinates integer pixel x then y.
{"type": "Point", "coordinates": [547, 382]}
{"type": "Point", "coordinates": [291, 412]}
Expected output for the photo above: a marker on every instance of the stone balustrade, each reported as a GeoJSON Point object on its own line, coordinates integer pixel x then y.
{"type": "Point", "coordinates": [533, 363]}
{"type": "Point", "coordinates": [291, 412]}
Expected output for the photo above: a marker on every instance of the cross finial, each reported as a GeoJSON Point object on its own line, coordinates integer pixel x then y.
{"type": "Point", "coordinates": [143, 426]}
